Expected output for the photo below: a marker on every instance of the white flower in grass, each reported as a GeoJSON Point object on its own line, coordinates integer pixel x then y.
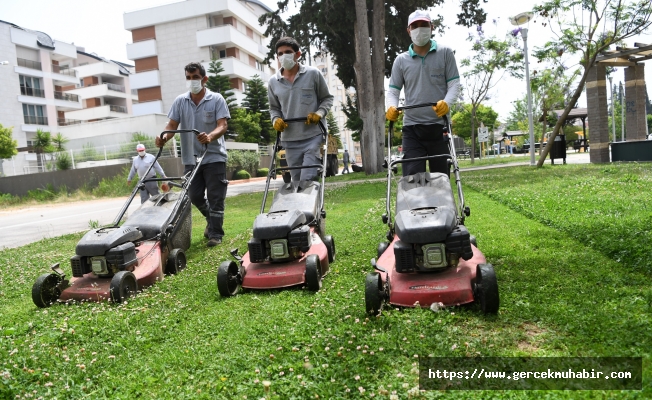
{"type": "Point", "coordinates": [361, 389]}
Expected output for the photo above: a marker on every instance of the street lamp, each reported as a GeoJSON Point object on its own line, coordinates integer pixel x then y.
{"type": "Point", "coordinates": [520, 19]}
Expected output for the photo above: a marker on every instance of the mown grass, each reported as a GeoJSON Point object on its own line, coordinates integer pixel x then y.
{"type": "Point", "coordinates": [562, 294]}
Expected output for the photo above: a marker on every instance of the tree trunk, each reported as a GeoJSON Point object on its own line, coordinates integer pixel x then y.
{"type": "Point", "coordinates": [472, 133]}
{"type": "Point", "coordinates": [378, 68]}
{"type": "Point", "coordinates": [543, 130]}
{"type": "Point", "coordinates": [365, 91]}
{"type": "Point", "coordinates": [562, 118]}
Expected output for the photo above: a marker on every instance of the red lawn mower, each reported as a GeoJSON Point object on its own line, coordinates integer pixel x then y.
{"type": "Point", "coordinates": [429, 257]}
{"type": "Point", "coordinates": [289, 245]}
{"type": "Point", "coordinates": [113, 263]}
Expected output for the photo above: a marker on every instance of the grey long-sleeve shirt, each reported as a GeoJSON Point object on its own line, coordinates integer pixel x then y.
{"type": "Point", "coordinates": [307, 94]}
{"type": "Point", "coordinates": [141, 164]}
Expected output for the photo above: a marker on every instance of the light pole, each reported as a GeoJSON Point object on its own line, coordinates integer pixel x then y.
{"type": "Point", "coordinates": [521, 19]}
{"type": "Point", "coordinates": [613, 110]}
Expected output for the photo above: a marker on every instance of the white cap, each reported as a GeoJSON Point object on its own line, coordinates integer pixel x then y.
{"type": "Point", "coordinates": [140, 147]}
{"type": "Point", "coordinates": [419, 15]}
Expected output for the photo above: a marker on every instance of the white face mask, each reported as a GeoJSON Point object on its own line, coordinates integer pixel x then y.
{"type": "Point", "coordinates": [141, 153]}
{"type": "Point", "coordinates": [420, 36]}
{"type": "Point", "coordinates": [287, 61]}
{"type": "Point", "coordinates": [194, 85]}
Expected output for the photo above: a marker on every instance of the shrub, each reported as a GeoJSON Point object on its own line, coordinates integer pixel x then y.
{"type": "Point", "coordinates": [63, 161]}
{"type": "Point", "coordinates": [242, 174]}
{"type": "Point", "coordinates": [114, 186]}
{"type": "Point", "coordinates": [245, 159]}
{"type": "Point", "coordinates": [262, 171]}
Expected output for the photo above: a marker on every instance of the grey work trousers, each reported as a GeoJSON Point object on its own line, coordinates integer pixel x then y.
{"type": "Point", "coordinates": [303, 152]}
{"type": "Point", "coordinates": [150, 189]}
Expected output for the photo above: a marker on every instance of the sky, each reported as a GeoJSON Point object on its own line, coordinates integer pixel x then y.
{"type": "Point", "coordinates": [99, 28]}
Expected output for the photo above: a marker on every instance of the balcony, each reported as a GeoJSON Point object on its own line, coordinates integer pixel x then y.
{"type": "Point", "coordinates": [63, 70]}
{"type": "Point", "coordinates": [66, 96]}
{"type": "Point", "coordinates": [67, 122]}
{"type": "Point", "coordinates": [115, 88]}
{"type": "Point", "coordinates": [149, 107]}
{"type": "Point", "coordinates": [144, 49]}
{"type": "Point", "coordinates": [29, 64]}
{"type": "Point", "coordinates": [102, 90]}
{"type": "Point", "coordinates": [28, 91]}
{"type": "Point", "coordinates": [120, 109]}
{"type": "Point", "coordinates": [228, 36]}
{"type": "Point", "coordinates": [34, 120]}
{"type": "Point", "coordinates": [96, 113]}
{"type": "Point", "coordinates": [233, 67]}
{"type": "Point", "coordinates": [147, 79]}
{"type": "Point", "coordinates": [102, 69]}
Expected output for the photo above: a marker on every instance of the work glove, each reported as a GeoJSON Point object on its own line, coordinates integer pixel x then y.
{"type": "Point", "coordinates": [392, 114]}
{"type": "Point", "coordinates": [280, 125]}
{"type": "Point", "coordinates": [441, 108]}
{"type": "Point", "coordinates": [313, 118]}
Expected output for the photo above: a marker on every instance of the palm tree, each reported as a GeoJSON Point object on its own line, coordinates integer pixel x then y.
{"type": "Point", "coordinates": [42, 144]}
{"type": "Point", "coordinates": [58, 142]}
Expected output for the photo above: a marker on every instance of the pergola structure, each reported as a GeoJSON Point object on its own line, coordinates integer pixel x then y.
{"type": "Point", "coordinates": [596, 95]}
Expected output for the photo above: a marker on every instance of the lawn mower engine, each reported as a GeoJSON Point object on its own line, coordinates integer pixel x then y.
{"type": "Point", "coordinates": [431, 238]}
{"type": "Point", "coordinates": [284, 234]}
{"type": "Point", "coordinates": [106, 251]}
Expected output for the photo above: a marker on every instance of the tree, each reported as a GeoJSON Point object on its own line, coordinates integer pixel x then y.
{"type": "Point", "coordinates": [245, 125]}
{"type": "Point", "coordinates": [550, 91]}
{"type": "Point", "coordinates": [8, 146]}
{"type": "Point", "coordinates": [220, 83]}
{"type": "Point", "coordinates": [333, 128]}
{"type": "Point", "coordinates": [256, 101]}
{"type": "Point", "coordinates": [490, 58]}
{"type": "Point", "coordinates": [462, 120]}
{"type": "Point", "coordinates": [588, 27]}
{"type": "Point", "coordinates": [42, 144]}
{"type": "Point", "coordinates": [353, 121]}
{"type": "Point", "coordinates": [363, 44]}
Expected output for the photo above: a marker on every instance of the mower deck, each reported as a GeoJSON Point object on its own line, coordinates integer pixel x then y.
{"type": "Point", "coordinates": [93, 288]}
{"type": "Point", "coordinates": [452, 287]}
{"type": "Point", "coordinates": [267, 275]}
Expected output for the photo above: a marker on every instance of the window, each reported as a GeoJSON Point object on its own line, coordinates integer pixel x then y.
{"type": "Point", "coordinates": [222, 53]}
{"type": "Point", "coordinates": [34, 115]}
{"type": "Point", "coordinates": [30, 86]}
{"type": "Point", "coordinates": [244, 86]}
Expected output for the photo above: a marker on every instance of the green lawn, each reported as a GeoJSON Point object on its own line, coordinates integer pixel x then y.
{"type": "Point", "coordinates": [570, 245]}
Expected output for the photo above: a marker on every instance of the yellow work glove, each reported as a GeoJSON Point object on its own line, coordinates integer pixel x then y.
{"type": "Point", "coordinates": [280, 125]}
{"type": "Point", "coordinates": [392, 113]}
{"type": "Point", "coordinates": [441, 108]}
{"type": "Point", "coordinates": [313, 118]}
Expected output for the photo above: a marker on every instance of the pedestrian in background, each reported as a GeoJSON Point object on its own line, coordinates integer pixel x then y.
{"type": "Point", "coordinates": [140, 165]}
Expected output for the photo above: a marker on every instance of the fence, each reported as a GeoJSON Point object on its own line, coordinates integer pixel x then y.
{"type": "Point", "coordinates": [81, 154]}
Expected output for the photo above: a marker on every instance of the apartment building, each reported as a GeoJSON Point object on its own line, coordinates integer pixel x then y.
{"type": "Point", "coordinates": [168, 37]}
{"type": "Point", "coordinates": [336, 87]}
{"type": "Point", "coordinates": [48, 84]}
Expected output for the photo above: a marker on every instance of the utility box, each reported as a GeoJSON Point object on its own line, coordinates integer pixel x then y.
{"type": "Point", "coordinates": [558, 149]}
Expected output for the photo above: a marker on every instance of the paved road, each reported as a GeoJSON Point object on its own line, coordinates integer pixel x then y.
{"type": "Point", "coordinates": [21, 226]}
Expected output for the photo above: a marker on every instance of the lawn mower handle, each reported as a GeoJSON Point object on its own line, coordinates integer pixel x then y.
{"type": "Point", "coordinates": [141, 181]}
{"type": "Point", "coordinates": [452, 156]}
{"type": "Point", "coordinates": [273, 169]}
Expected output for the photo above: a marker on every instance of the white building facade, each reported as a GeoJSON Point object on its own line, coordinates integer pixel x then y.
{"type": "Point", "coordinates": [168, 37]}
{"type": "Point", "coordinates": [46, 85]}
{"type": "Point", "coordinates": [336, 87]}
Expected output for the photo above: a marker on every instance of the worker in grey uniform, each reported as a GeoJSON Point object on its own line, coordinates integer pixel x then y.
{"type": "Point", "coordinates": [296, 91]}
{"type": "Point", "coordinates": [427, 73]}
{"type": "Point", "coordinates": [140, 164]}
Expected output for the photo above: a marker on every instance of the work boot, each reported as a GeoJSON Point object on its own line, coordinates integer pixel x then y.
{"type": "Point", "coordinates": [214, 242]}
